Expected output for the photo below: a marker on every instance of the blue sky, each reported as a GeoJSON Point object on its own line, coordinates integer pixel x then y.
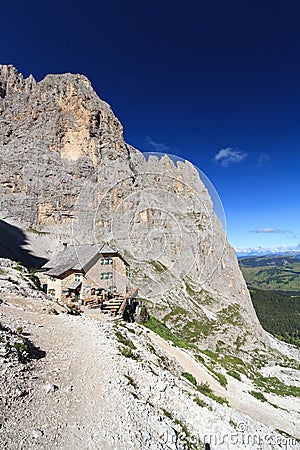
{"type": "Point", "coordinates": [214, 82]}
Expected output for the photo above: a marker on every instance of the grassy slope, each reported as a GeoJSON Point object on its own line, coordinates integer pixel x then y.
{"type": "Point", "coordinates": [276, 273]}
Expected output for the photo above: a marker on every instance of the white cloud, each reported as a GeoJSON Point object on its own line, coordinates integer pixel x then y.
{"type": "Point", "coordinates": [158, 147]}
{"type": "Point", "coordinates": [263, 159]}
{"type": "Point", "coordinates": [273, 230]}
{"type": "Point", "coordinates": [267, 250]}
{"type": "Point", "coordinates": [227, 156]}
{"type": "Point", "coordinates": [266, 230]}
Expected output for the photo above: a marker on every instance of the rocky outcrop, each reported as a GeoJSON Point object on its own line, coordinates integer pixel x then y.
{"type": "Point", "coordinates": [53, 134]}
{"type": "Point", "coordinates": [18, 282]}
{"type": "Point", "coordinates": [68, 176]}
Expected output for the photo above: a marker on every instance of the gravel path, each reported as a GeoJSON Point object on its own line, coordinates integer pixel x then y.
{"type": "Point", "coordinates": [84, 395]}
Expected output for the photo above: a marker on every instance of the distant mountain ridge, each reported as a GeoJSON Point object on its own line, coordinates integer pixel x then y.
{"type": "Point", "coordinates": [266, 252]}
{"type": "Point", "coordinates": [269, 260]}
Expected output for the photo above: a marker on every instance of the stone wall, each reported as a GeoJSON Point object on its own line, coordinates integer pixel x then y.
{"type": "Point", "coordinates": [93, 276]}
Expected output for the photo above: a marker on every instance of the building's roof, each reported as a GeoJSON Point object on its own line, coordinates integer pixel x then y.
{"type": "Point", "coordinates": [106, 249]}
{"type": "Point", "coordinates": [75, 285]}
{"type": "Point", "coordinates": [77, 257]}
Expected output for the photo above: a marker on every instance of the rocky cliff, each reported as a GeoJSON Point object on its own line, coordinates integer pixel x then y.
{"type": "Point", "coordinates": [53, 135]}
{"type": "Point", "coordinates": [68, 176]}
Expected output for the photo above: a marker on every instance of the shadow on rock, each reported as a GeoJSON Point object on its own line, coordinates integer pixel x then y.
{"type": "Point", "coordinates": [35, 352]}
{"type": "Point", "coordinates": [12, 243]}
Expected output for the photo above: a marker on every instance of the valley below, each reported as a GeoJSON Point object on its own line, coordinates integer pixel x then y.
{"type": "Point", "coordinates": [274, 283]}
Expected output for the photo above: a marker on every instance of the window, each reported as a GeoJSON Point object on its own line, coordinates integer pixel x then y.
{"type": "Point", "coordinates": [112, 289]}
{"type": "Point", "coordinates": [128, 272]}
{"type": "Point", "coordinates": [77, 276]}
{"type": "Point", "coordinates": [106, 261]}
{"type": "Point", "coordinates": [106, 275]}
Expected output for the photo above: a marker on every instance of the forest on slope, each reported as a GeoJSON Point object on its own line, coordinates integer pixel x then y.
{"type": "Point", "coordinates": [278, 313]}
{"type": "Point", "coordinates": [274, 284]}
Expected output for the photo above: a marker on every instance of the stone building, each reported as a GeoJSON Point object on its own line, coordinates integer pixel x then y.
{"type": "Point", "coordinates": [83, 271]}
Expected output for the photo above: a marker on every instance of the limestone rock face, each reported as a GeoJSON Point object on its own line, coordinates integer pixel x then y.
{"type": "Point", "coordinates": [68, 176]}
{"type": "Point", "coordinates": [53, 133]}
